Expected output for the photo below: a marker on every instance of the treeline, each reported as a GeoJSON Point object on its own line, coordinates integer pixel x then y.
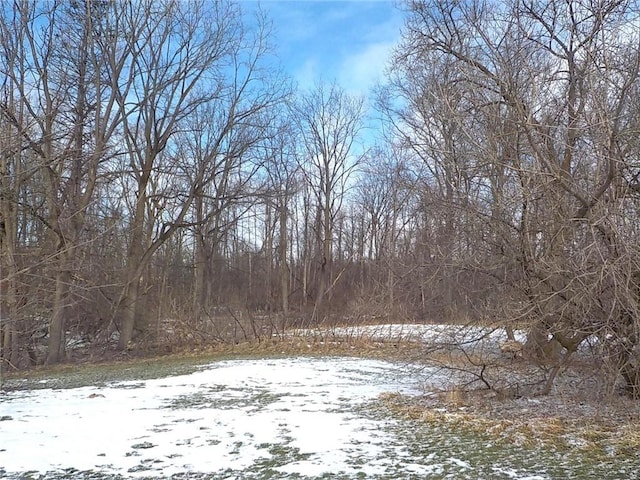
{"type": "Point", "coordinates": [161, 182]}
{"type": "Point", "coordinates": [161, 179]}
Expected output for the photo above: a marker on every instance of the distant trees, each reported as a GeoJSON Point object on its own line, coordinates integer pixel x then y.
{"type": "Point", "coordinates": [283, 183]}
{"type": "Point", "coordinates": [383, 204]}
{"type": "Point", "coordinates": [328, 121]}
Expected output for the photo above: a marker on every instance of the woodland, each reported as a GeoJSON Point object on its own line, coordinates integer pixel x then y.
{"type": "Point", "coordinates": [164, 185]}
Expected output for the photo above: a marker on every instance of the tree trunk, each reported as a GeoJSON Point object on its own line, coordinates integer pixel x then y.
{"type": "Point", "coordinates": [9, 307]}
{"type": "Point", "coordinates": [131, 292]}
{"type": "Point", "coordinates": [8, 293]}
{"type": "Point", "coordinates": [129, 302]}
{"type": "Point", "coordinates": [57, 328]}
{"type": "Point", "coordinates": [284, 268]}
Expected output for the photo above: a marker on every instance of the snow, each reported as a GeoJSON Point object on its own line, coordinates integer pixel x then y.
{"type": "Point", "coordinates": [425, 333]}
{"type": "Point", "coordinates": [296, 417]}
{"type": "Point", "coordinates": [226, 416]}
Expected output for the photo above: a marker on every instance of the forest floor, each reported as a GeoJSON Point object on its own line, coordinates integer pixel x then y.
{"type": "Point", "coordinates": [307, 406]}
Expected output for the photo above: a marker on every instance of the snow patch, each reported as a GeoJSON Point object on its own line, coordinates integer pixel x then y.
{"type": "Point", "coordinates": [231, 415]}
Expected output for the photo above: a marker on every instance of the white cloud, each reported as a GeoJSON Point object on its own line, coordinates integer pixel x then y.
{"type": "Point", "coordinates": [308, 73]}
{"type": "Point", "coordinates": [361, 70]}
{"type": "Point", "coordinates": [346, 41]}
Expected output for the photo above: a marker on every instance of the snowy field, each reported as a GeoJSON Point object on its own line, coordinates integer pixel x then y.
{"type": "Point", "coordinates": [287, 418]}
{"type": "Point", "coordinates": [229, 416]}
{"type": "Point", "coordinates": [426, 333]}
{"type": "Point", "coordinates": [475, 337]}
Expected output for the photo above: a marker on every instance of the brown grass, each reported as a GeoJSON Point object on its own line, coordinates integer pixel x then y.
{"type": "Point", "coordinates": [277, 346]}
{"type": "Point", "coordinates": [596, 435]}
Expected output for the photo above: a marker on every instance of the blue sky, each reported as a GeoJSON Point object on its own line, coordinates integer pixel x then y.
{"type": "Point", "coordinates": [349, 41]}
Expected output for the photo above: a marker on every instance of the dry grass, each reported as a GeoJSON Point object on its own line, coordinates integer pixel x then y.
{"type": "Point", "coordinates": [277, 346]}
{"type": "Point", "coordinates": [598, 435]}
{"type": "Point", "coordinates": [361, 347]}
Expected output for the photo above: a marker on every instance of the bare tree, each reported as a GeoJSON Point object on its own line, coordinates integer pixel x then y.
{"type": "Point", "coordinates": [537, 94]}
{"type": "Point", "coordinates": [328, 121]}
{"type": "Point", "coordinates": [282, 172]}
{"type": "Point", "coordinates": [225, 143]}
{"type": "Point", "coordinates": [63, 114]}
{"type": "Point", "coordinates": [184, 56]}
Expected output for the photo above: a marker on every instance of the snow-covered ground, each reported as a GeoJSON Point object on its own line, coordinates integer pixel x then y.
{"type": "Point", "coordinates": [289, 415]}
{"type": "Point", "coordinates": [286, 418]}
{"type": "Point", "coordinates": [428, 334]}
